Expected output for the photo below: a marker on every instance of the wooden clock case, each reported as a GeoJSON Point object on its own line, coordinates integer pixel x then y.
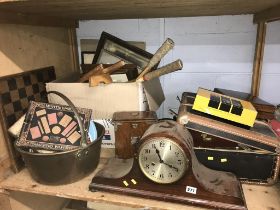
{"type": "Point", "coordinates": [210, 188]}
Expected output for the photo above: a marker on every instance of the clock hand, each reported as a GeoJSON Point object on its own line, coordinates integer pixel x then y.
{"type": "Point", "coordinates": [160, 160]}
{"type": "Point", "coordinates": [171, 166]}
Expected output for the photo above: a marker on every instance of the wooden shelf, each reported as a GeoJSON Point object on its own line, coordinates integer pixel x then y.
{"type": "Point", "coordinates": [66, 11]}
{"type": "Point", "coordinates": [65, 14]}
{"type": "Point", "coordinates": [257, 197]}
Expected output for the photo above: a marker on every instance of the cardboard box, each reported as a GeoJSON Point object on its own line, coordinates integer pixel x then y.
{"type": "Point", "coordinates": [108, 140]}
{"type": "Point", "coordinates": [104, 100]}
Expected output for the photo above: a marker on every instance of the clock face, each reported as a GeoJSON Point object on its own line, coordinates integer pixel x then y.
{"type": "Point", "coordinates": [162, 160]}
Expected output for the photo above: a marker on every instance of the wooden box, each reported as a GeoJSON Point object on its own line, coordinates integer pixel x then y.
{"type": "Point", "coordinates": [129, 127]}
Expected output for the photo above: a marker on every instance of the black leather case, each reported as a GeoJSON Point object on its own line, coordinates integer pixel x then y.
{"type": "Point", "coordinates": [252, 154]}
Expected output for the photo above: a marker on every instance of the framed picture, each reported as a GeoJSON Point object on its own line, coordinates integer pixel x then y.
{"type": "Point", "coordinates": [111, 49]}
{"type": "Point", "coordinates": [87, 57]}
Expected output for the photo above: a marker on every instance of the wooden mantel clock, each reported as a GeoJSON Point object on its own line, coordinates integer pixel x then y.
{"type": "Point", "coordinates": [162, 159]}
{"type": "Point", "coordinates": [165, 168]}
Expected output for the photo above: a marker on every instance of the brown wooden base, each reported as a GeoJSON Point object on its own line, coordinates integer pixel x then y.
{"type": "Point", "coordinates": [167, 192]}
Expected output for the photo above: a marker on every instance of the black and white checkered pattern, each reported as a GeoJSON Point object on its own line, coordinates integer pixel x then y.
{"type": "Point", "coordinates": [15, 93]}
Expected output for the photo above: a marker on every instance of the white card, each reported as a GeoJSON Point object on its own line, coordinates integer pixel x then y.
{"type": "Point", "coordinates": [191, 190]}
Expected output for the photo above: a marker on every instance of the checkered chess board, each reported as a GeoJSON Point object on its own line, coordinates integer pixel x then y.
{"type": "Point", "coordinates": [15, 93]}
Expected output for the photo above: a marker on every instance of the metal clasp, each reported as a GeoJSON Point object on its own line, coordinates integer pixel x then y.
{"type": "Point", "coordinates": [205, 137]}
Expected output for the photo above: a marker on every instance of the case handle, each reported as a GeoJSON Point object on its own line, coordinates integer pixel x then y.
{"type": "Point", "coordinates": [83, 142]}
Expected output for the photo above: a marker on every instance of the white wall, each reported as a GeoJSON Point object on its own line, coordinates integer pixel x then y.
{"type": "Point", "coordinates": [216, 51]}
{"type": "Point", "coordinates": [270, 82]}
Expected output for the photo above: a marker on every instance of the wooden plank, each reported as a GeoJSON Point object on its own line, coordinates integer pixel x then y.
{"type": "Point", "coordinates": [262, 197]}
{"type": "Point", "coordinates": [31, 201]}
{"type": "Point", "coordinates": [258, 59]}
{"type": "Point", "coordinates": [39, 20]}
{"type": "Point", "coordinates": [268, 15]}
{"type": "Point", "coordinates": [118, 9]}
{"type": "Point", "coordinates": [5, 167]}
{"type": "Point", "coordinates": [74, 48]}
{"type": "Point", "coordinates": [257, 197]}
{"type": "Point", "coordinates": [4, 200]}
{"type": "Point", "coordinates": [79, 191]}
{"type": "Point", "coordinates": [5, 162]}
{"type": "Point", "coordinates": [8, 0]}
{"type": "Point", "coordinates": [7, 151]}
{"type": "Point", "coordinates": [25, 47]}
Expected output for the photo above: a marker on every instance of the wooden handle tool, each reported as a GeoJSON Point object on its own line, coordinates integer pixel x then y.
{"type": "Point", "coordinates": [160, 53]}
{"type": "Point", "coordinates": [103, 77]}
{"type": "Point", "coordinates": [98, 79]}
{"type": "Point", "coordinates": [171, 67]}
{"type": "Point", "coordinates": [86, 76]}
{"type": "Point", "coordinates": [113, 67]}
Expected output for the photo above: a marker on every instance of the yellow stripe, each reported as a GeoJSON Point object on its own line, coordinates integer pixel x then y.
{"type": "Point", "coordinates": [133, 181]}
{"type": "Point", "coordinates": [223, 160]}
{"type": "Point", "coordinates": [125, 183]}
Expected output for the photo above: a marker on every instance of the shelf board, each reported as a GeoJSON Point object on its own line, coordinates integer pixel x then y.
{"type": "Point", "coordinates": [119, 9]}
{"type": "Point", "coordinates": [257, 197]}
{"type": "Point", "coordinates": [79, 191]}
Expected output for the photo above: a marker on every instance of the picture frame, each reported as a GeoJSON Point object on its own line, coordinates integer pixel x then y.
{"type": "Point", "coordinates": [87, 57]}
{"type": "Point", "coordinates": [111, 49]}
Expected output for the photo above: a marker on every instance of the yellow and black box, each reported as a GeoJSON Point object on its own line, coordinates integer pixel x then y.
{"type": "Point", "coordinates": [225, 107]}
